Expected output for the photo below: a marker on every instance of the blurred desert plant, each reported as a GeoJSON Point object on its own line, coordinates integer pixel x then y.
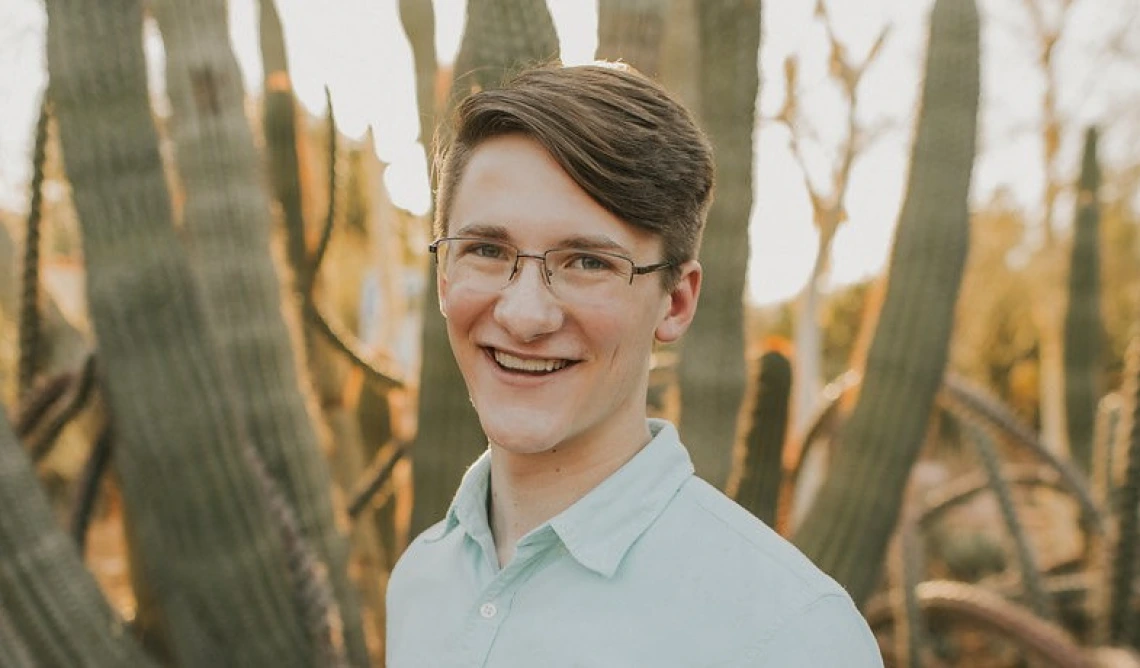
{"type": "Point", "coordinates": [228, 502]}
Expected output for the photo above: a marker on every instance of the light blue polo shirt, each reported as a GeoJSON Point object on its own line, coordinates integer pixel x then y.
{"type": "Point", "coordinates": [653, 567]}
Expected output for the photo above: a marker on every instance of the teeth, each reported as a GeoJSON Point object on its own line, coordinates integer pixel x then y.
{"type": "Point", "coordinates": [533, 366]}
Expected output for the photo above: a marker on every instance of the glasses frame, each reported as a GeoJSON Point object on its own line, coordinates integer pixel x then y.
{"type": "Point", "coordinates": [635, 269]}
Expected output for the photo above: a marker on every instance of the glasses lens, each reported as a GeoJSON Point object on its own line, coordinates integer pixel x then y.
{"type": "Point", "coordinates": [587, 276]}
{"type": "Point", "coordinates": [476, 263]}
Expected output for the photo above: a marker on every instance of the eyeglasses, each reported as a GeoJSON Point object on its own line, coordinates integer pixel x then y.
{"type": "Point", "coordinates": [572, 274]}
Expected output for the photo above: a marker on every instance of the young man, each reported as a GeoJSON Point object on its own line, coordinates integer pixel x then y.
{"type": "Point", "coordinates": [570, 210]}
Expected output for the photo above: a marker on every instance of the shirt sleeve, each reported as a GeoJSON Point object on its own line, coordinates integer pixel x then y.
{"type": "Point", "coordinates": [827, 632]}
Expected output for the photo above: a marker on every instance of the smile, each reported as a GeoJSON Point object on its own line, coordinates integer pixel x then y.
{"type": "Point", "coordinates": [531, 366]}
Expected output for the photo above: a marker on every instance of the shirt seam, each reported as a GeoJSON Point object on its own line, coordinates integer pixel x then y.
{"type": "Point", "coordinates": [765, 644]}
{"type": "Point", "coordinates": [820, 589]}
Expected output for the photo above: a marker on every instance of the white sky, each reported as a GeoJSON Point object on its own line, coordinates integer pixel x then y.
{"type": "Point", "coordinates": [358, 48]}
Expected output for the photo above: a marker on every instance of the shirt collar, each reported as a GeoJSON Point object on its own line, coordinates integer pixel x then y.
{"type": "Point", "coordinates": [469, 507]}
{"type": "Point", "coordinates": [599, 528]}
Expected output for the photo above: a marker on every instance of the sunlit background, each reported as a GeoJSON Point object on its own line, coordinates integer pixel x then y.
{"type": "Point", "coordinates": [358, 49]}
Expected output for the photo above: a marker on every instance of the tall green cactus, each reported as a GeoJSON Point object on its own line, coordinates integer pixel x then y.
{"type": "Point", "coordinates": [211, 552]}
{"type": "Point", "coordinates": [632, 31]}
{"type": "Point", "coordinates": [847, 529]}
{"type": "Point", "coordinates": [711, 372]}
{"type": "Point", "coordinates": [51, 610]}
{"type": "Point", "coordinates": [1083, 326]}
{"type": "Point", "coordinates": [499, 37]}
{"type": "Point", "coordinates": [755, 483]}
{"type": "Point", "coordinates": [228, 226]}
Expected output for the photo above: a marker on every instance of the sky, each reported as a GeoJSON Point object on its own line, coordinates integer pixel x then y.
{"type": "Point", "coordinates": [357, 48]}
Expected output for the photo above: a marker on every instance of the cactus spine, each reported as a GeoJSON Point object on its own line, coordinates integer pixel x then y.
{"type": "Point", "coordinates": [756, 480]}
{"type": "Point", "coordinates": [1083, 327]}
{"type": "Point", "coordinates": [847, 529]}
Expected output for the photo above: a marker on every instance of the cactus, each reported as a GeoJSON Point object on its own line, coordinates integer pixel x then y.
{"type": "Point", "coordinates": [14, 652]}
{"type": "Point", "coordinates": [418, 19]}
{"type": "Point", "coordinates": [41, 435]}
{"type": "Point", "coordinates": [632, 31]}
{"type": "Point", "coordinates": [756, 480]}
{"type": "Point", "coordinates": [1120, 618]}
{"type": "Point", "coordinates": [1103, 482]}
{"type": "Point", "coordinates": [279, 127]}
{"type": "Point", "coordinates": [968, 402]}
{"type": "Point", "coordinates": [712, 368]}
{"type": "Point", "coordinates": [847, 529]}
{"type": "Point", "coordinates": [211, 554]}
{"type": "Point", "coordinates": [1030, 574]}
{"type": "Point", "coordinates": [499, 36]}
{"type": "Point", "coordinates": [907, 563]}
{"type": "Point", "coordinates": [227, 223]}
{"type": "Point", "coordinates": [983, 609]}
{"type": "Point", "coordinates": [964, 488]}
{"type": "Point", "coordinates": [1083, 327]}
{"type": "Point", "coordinates": [30, 277]}
{"type": "Point", "coordinates": [89, 479]}
{"type": "Point", "coordinates": [50, 605]}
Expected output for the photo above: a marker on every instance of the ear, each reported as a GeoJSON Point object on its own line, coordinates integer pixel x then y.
{"type": "Point", "coordinates": [682, 304]}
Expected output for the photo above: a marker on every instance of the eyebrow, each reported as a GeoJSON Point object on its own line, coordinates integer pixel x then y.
{"type": "Point", "coordinates": [593, 242]}
{"type": "Point", "coordinates": [580, 241]}
{"type": "Point", "coordinates": [484, 231]}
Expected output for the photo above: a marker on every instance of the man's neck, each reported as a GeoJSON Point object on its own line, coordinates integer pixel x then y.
{"type": "Point", "coordinates": [528, 490]}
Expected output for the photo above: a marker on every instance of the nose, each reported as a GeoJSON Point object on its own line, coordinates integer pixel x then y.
{"type": "Point", "coordinates": [526, 308]}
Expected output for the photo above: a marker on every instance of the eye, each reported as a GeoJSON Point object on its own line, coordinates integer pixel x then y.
{"type": "Point", "coordinates": [589, 262]}
{"type": "Point", "coordinates": [485, 250]}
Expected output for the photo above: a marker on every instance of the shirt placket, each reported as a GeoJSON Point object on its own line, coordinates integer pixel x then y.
{"type": "Point", "coordinates": [490, 610]}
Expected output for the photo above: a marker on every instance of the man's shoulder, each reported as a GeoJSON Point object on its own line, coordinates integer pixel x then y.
{"type": "Point", "coordinates": [421, 553]}
{"type": "Point", "coordinates": [720, 535]}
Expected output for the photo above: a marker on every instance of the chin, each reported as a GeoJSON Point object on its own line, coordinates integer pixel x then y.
{"type": "Point", "coordinates": [522, 443]}
{"type": "Point", "coordinates": [523, 436]}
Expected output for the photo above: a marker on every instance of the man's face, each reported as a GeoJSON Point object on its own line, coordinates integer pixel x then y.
{"type": "Point", "coordinates": [599, 353]}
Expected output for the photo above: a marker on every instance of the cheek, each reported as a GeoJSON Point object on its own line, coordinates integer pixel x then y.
{"type": "Point", "coordinates": [623, 333]}
{"type": "Point", "coordinates": [462, 308]}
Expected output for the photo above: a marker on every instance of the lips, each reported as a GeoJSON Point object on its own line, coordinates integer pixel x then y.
{"type": "Point", "coordinates": [529, 365]}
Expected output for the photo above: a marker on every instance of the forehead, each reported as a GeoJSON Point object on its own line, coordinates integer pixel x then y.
{"type": "Point", "coordinates": [513, 189]}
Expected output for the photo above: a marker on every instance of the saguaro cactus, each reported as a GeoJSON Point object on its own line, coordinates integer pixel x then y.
{"type": "Point", "coordinates": [712, 360]}
{"type": "Point", "coordinates": [759, 459]}
{"type": "Point", "coordinates": [51, 610]}
{"type": "Point", "coordinates": [632, 31]}
{"type": "Point", "coordinates": [847, 529]}
{"type": "Point", "coordinates": [1083, 326]}
{"type": "Point", "coordinates": [227, 221]}
{"type": "Point", "coordinates": [210, 550]}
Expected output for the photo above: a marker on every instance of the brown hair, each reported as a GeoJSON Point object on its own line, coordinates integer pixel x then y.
{"type": "Point", "coordinates": [621, 137]}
